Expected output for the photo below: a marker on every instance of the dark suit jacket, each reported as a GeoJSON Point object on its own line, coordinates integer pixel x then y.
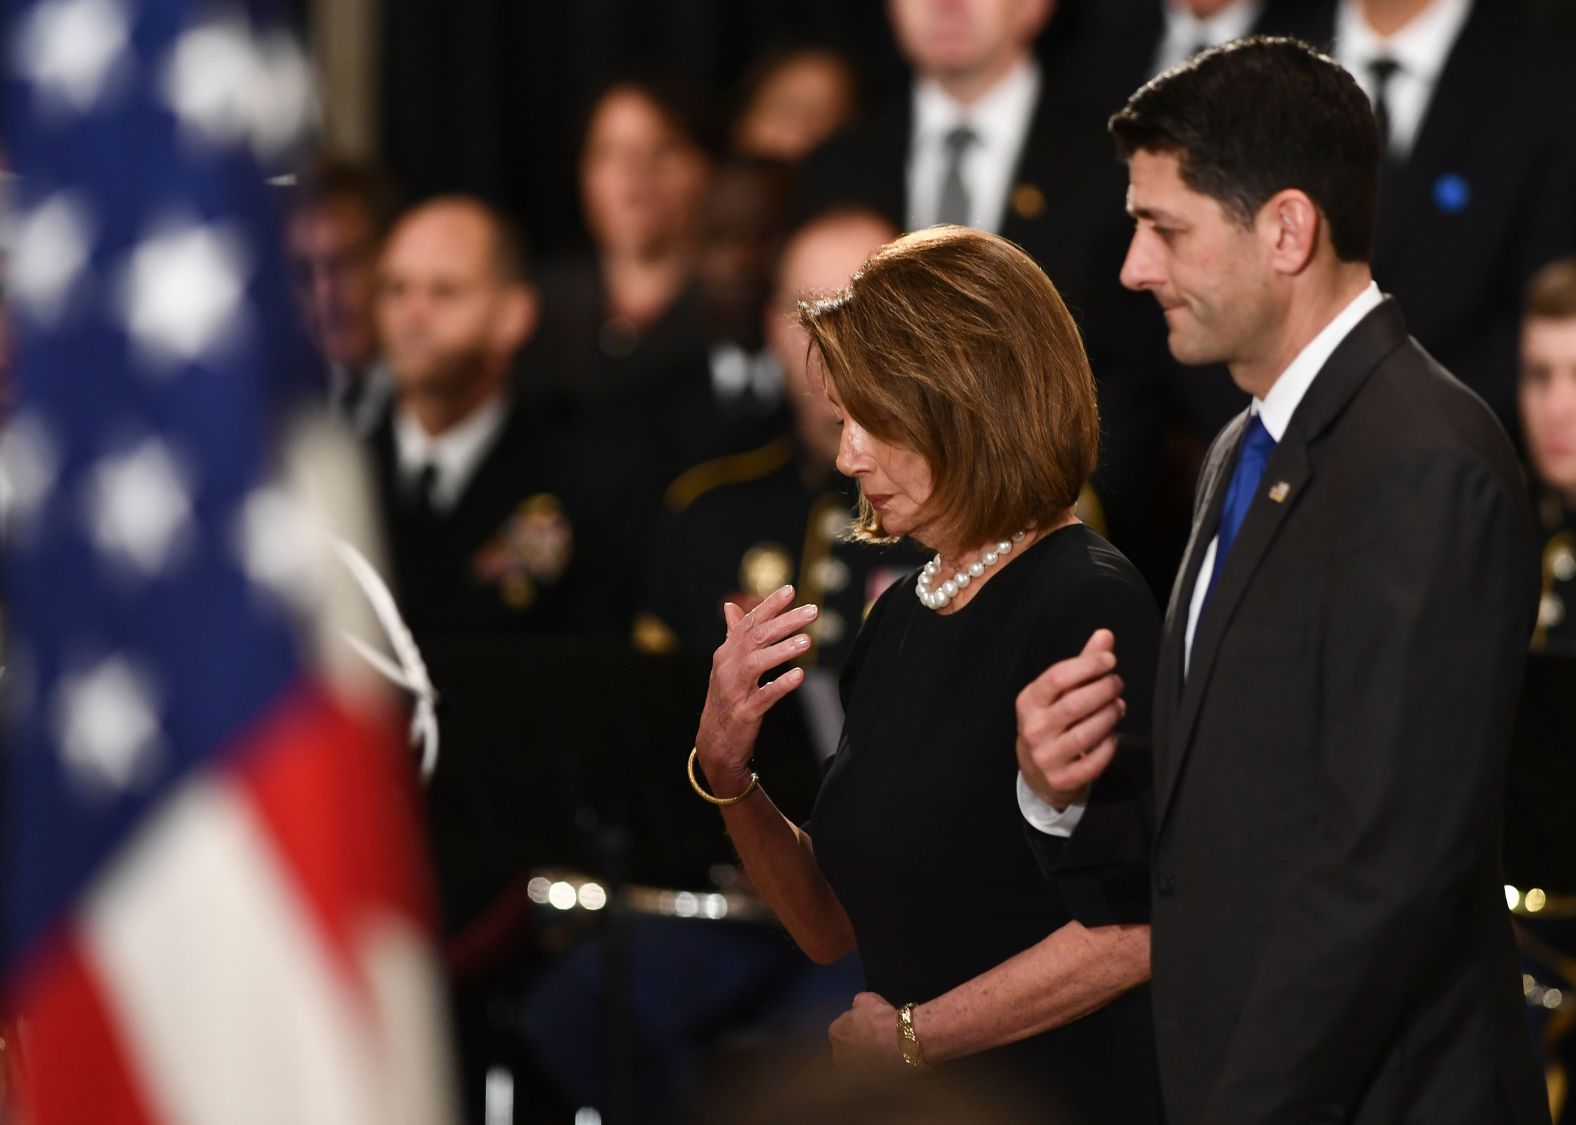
{"type": "Point", "coordinates": [1487, 196]}
{"type": "Point", "coordinates": [1330, 936]}
{"type": "Point", "coordinates": [1114, 43]}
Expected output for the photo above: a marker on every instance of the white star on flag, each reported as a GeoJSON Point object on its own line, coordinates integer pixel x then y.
{"type": "Point", "coordinates": [280, 546]}
{"type": "Point", "coordinates": [181, 292]}
{"type": "Point", "coordinates": [29, 463]}
{"type": "Point", "coordinates": [226, 86]}
{"type": "Point", "coordinates": [138, 507]}
{"type": "Point", "coordinates": [106, 722]}
{"type": "Point", "coordinates": [72, 50]}
{"type": "Point", "coordinates": [50, 248]}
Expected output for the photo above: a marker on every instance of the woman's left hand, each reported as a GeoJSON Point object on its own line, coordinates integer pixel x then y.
{"type": "Point", "coordinates": [864, 1038]}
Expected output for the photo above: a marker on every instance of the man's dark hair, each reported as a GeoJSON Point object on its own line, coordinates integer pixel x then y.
{"type": "Point", "coordinates": [365, 186]}
{"type": "Point", "coordinates": [1258, 116]}
{"type": "Point", "coordinates": [676, 97]}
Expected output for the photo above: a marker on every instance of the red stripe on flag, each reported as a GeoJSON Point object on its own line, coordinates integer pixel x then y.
{"type": "Point", "coordinates": [337, 794]}
{"type": "Point", "coordinates": [73, 1069]}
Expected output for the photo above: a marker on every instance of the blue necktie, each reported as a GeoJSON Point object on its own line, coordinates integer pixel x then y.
{"type": "Point", "coordinates": [1252, 456]}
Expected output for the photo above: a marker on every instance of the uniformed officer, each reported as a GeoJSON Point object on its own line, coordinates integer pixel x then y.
{"type": "Point", "coordinates": [482, 531]}
{"type": "Point", "coordinates": [1547, 401]}
{"type": "Point", "coordinates": [1540, 836]}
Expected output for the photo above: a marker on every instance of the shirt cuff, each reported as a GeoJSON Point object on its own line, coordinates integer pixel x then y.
{"type": "Point", "coordinates": [1043, 817]}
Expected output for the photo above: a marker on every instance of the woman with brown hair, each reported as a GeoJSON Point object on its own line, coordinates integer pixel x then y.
{"type": "Point", "coordinates": [970, 425]}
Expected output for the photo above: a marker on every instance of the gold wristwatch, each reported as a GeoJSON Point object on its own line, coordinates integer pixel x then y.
{"type": "Point", "coordinates": [908, 1039]}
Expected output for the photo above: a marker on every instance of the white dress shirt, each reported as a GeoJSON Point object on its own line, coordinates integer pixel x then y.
{"type": "Point", "coordinates": [454, 454]}
{"type": "Point", "coordinates": [1275, 410]}
{"type": "Point", "coordinates": [1000, 120]}
{"type": "Point", "coordinates": [1420, 48]}
{"type": "Point", "coordinates": [1186, 33]}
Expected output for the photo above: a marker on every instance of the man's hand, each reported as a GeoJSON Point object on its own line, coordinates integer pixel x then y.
{"type": "Point", "coordinates": [1067, 720]}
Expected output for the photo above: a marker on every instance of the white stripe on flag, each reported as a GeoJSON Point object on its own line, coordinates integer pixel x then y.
{"type": "Point", "coordinates": [230, 1009]}
{"type": "Point", "coordinates": [408, 991]}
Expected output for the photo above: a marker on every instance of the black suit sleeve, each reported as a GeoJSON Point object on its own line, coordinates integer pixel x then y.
{"type": "Point", "coordinates": [1423, 639]}
{"type": "Point", "coordinates": [1101, 872]}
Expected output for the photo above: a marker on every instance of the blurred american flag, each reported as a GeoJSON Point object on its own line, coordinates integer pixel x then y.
{"type": "Point", "coordinates": [214, 902]}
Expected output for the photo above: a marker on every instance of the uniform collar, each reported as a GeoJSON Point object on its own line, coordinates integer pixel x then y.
{"type": "Point", "coordinates": [455, 454]}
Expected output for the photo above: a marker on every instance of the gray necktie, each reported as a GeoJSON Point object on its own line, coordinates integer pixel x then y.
{"type": "Point", "coordinates": [422, 489]}
{"type": "Point", "coordinates": [954, 196]}
{"type": "Point", "coordinates": [1383, 70]}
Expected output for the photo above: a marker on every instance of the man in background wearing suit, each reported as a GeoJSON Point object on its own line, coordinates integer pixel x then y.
{"type": "Point", "coordinates": [987, 137]}
{"type": "Point", "coordinates": [339, 214]}
{"type": "Point", "coordinates": [1343, 647]}
{"type": "Point", "coordinates": [1477, 171]}
{"type": "Point", "coordinates": [1116, 46]}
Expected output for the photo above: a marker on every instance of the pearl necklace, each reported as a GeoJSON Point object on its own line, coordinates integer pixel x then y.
{"type": "Point", "coordinates": [940, 597]}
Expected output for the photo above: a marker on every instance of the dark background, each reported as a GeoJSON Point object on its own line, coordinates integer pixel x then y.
{"type": "Point", "coordinates": [487, 96]}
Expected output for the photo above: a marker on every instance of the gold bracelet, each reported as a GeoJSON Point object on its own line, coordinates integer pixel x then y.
{"type": "Point", "coordinates": [721, 802]}
{"type": "Point", "coordinates": [908, 1039]}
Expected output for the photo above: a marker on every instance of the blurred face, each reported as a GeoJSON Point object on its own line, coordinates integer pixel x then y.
{"type": "Point", "coordinates": [1207, 271]}
{"type": "Point", "coordinates": [819, 259]}
{"type": "Point", "coordinates": [1202, 9]}
{"type": "Point", "coordinates": [802, 103]}
{"type": "Point", "coordinates": [642, 181]}
{"type": "Point", "coordinates": [962, 38]}
{"type": "Point", "coordinates": [333, 257]}
{"type": "Point", "coordinates": [447, 320]}
{"type": "Point", "coordinates": [1547, 393]}
{"type": "Point", "coordinates": [741, 236]}
{"type": "Point", "coordinates": [894, 479]}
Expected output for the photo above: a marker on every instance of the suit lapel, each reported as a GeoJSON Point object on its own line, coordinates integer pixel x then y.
{"type": "Point", "coordinates": [1060, 216]}
{"type": "Point", "coordinates": [1169, 677]}
{"type": "Point", "coordinates": [1287, 478]}
{"type": "Point", "coordinates": [1287, 475]}
{"type": "Point", "coordinates": [1032, 173]}
{"type": "Point", "coordinates": [887, 162]}
{"type": "Point", "coordinates": [1455, 112]}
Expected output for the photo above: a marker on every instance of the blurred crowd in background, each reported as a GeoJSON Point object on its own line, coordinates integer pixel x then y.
{"type": "Point", "coordinates": [558, 315]}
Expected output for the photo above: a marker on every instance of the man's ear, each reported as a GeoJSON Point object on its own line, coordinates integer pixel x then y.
{"type": "Point", "coordinates": [517, 319]}
{"type": "Point", "coordinates": [1290, 226]}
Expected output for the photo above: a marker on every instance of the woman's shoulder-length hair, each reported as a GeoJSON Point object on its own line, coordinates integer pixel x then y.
{"type": "Point", "coordinates": [953, 343]}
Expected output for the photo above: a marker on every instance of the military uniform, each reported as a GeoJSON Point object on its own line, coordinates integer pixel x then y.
{"type": "Point", "coordinates": [1540, 843]}
{"type": "Point", "coordinates": [1556, 631]}
{"type": "Point", "coordinates": [510, 556]}
{"type": "Point", "coordinates": [739, 527]}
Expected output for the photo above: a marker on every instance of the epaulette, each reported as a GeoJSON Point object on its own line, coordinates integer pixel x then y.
{"type": "Point", "coordinates": [736, 468]}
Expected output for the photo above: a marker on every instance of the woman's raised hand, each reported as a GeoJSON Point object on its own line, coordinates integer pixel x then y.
{"type": "Point", "coordinates": [757, 641]}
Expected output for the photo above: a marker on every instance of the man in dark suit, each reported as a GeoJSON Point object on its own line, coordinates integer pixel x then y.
{"type": "Point", "coordinates": [1478, 177]}
{"type": "Point", "coordinates": [339, 214]}
{"type": "Point", "coordinates": [1115, 46]}
{"type": "Point", "coordinates": [989, 138]}
{"type": "Point", "coordinates": [1343, 647]}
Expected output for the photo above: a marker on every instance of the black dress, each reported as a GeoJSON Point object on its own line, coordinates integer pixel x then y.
{"type": "Point", "coordinates": [917, 826]}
